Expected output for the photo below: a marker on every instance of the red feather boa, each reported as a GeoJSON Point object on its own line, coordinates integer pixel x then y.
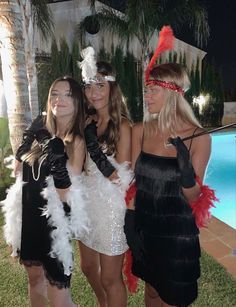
{"type": "Point", "coordinates": [201, 207]}
{"type": "Point", "coordinates": [130, 280]}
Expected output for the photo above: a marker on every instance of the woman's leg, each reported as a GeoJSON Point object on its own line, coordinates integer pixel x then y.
{"type": "Point", "coordinates": [152, 298]}
{"type": "Point", "coordinates": [112, 280]}
{"type": "Point", "coordinates": [90, 266]}
{"type": "Point", "coordinates": [59, 297]}
{"type": "Point", "coordinates": [37, 286]}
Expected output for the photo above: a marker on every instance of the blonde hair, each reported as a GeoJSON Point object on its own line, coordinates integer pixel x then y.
{"type": "Point", "coordinates": [76, 125]}
{"type": "Point", "coordinates": [176, 108]}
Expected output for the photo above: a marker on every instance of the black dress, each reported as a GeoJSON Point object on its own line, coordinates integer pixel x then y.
{"type": "Point", "coordinates": [167, 226]}
{"type": "Point", "coordinates": [35, 237]}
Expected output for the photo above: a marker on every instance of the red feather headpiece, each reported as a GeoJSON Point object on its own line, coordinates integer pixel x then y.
{"type": "Point", "coordinates": [165, 42]}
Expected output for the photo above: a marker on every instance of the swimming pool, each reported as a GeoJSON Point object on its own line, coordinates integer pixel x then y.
{"type": "Point", "coordinates": [221, 176]}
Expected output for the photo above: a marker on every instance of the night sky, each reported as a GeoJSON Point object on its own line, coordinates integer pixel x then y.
{"type": "Point", "coordinates": [221, 46]}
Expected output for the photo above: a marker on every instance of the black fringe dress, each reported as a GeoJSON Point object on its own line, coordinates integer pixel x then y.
{"type": "Point", "coordinates": [167, 226]}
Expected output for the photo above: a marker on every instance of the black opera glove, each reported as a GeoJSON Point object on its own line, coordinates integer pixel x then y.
{"type": "Point", "coordinates": [96, 154]}
{"type": "Point", "coordinates": [54, 149]}
{"type": "Point", "coordinates": [29, 136]}
{"type": "Point", "coordinates": [66, 208]}
{"type": "Point", "coordinates": [186, 169]}
{"type": "Point", "coordinates": [133, 238]}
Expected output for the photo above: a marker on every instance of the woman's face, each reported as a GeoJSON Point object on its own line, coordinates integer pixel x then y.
{"type": "Point", "coordinates": [62, 104]}
{"type": "Point", "coordinates": [155, 98]}
{"type": "Point", "coordinates": [97, 94]}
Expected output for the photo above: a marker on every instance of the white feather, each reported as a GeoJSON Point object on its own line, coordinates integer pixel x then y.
{"type": "Point", "coordinates": [12, 210]}
{"type": "Point", "coordinates": [79, 222]}
{"type": "Point", "coordinates": [61, 246]}
{"type": "Point", "coordinates": [65, 227]}
{"type": "Point", "coordinates": [88, 65]}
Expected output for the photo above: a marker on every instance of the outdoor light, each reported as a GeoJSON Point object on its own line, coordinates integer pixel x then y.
{"type": "Point", "coordinates": [201, 101]}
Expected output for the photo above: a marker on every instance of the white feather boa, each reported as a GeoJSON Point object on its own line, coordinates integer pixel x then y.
{"type": "Point", "coordinates": [125, 175]}
{"type": "Point", "coordinates": [12, 210]}
{"type": "Point", "coordinates": [65, 227]}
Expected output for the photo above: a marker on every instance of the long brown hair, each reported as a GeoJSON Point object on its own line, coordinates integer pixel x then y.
{"type": "Point", "coordinates": [76, 125]}
{"type": "Point", "coordinates": [117, 110]}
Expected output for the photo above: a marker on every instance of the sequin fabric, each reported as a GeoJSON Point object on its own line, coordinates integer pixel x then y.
{"type": "Point", "coordinates": [106, 210]}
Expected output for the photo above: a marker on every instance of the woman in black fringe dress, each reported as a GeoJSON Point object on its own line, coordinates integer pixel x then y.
{"type": "Point", "coordinates": [51, 159]}
{"type": "Point", "coordinates": [161, 231]}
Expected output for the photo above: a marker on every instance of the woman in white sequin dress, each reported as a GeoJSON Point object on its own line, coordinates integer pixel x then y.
{"type": "Point", "coordinates": [108, 139]}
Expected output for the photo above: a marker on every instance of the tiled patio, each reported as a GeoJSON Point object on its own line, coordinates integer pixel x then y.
{"type": "Point", "coordinates": [219, 241]}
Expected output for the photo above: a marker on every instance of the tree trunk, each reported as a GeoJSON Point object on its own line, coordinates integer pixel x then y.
{"type": "Point", "coordinates": [28, 32]}
{"type": "Point", "coordinates": [12, 51]}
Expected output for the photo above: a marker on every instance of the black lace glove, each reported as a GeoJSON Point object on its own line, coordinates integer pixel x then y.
{"type": "Point", "coordinates": [29, 137]}
{"type": "Point", "coordinates": [132, 236]}
{"type": "Point", "coordinates": [55, 150]}
{"type": "Point", "coordinates": [186, 169]}
{"type": "Point", "coordinates": [96, 154]}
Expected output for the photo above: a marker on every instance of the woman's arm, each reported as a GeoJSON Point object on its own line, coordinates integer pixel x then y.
{"type": "Point", "coordinates": [137, 134]}
{"type": "Point", "coordinates": [77, 157]}
{"type": "Point", "coordinates": [75, 162]}
{"type": "Point", "coordinates": [136, 147]}
{"type": "Point", "coordinates": [200, 154]}
{"type": "Point", "coordinates": [124, 144]}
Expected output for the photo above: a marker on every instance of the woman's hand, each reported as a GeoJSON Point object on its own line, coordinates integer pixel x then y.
{"type": "Point", "coordinates": [185, 165]}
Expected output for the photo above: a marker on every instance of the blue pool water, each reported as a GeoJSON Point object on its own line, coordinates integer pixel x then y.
{"type": "Point", "coordinates": [221, 176]}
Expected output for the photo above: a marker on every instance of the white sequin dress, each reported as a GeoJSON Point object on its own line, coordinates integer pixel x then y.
{"type": "Point", "coordinates": [106, 209]}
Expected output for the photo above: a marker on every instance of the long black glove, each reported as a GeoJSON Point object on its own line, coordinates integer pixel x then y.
{"type": "Point", "coordinates": [132, 236]}
{"type": "Point", "coordinates": [186, 169]}
{"type": "Point", "coordinates": [96, 154]}
{"type": "Point", "coordinates": [29, 137]}
{"type": "Point", "coordinates": [54, 149]}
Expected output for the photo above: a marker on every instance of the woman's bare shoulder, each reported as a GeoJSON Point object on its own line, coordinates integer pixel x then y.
{"type": "Point", "coordinates": [125, 126]}
{"type": "Point", "coordinates": [138, 129]}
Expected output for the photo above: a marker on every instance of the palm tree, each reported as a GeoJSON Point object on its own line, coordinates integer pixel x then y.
{"type": "Point", "coordinates": [36, 14]}
{"type": "Point", "coordinates": [12, 50]}
{"type": "Point", "coordinates": [142, 18]}
{"type": "Point", "coordinates": [17, 18]}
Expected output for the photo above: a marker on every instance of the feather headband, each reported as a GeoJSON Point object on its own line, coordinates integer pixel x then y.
{"type": "Point", "coordinates": [89, 67]}
{"type": "Point", "coordinates": [165, 42]}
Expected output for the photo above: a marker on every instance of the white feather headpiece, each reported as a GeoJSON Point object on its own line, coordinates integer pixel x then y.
{"type": "Point", "coordinates": [89, 67]}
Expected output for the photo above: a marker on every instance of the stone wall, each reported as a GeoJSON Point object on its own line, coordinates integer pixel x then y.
{"type": "Point", "coordinates": [229, 116]}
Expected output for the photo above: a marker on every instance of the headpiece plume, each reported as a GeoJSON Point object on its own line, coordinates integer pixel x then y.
{"type": "Point", "coordinates": [165, 42]}
{"type": "Point", "coordinates": [88, 65]}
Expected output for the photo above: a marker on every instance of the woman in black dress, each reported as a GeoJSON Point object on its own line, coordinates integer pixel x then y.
{"type": "Point", "coordinates": [53, 154]}
{"type": "Point", "coordinates": [161, 231]}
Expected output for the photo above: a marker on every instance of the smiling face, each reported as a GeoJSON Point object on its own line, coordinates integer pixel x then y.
{"type": "Point", "coordinates": [155, 98]}
{"type": "Point", "coordinates": [97, 94]}
{"type": "Point", "coordinates": [61, 100]}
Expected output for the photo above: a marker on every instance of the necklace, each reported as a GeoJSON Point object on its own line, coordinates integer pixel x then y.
{"type": "Point", "coordinates": [36, 178]}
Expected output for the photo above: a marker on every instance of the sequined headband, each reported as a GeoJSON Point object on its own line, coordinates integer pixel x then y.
{"type": "Point", "coordinates": [169, 85]}
{"type": "Point", "coordinates": [99, 79]}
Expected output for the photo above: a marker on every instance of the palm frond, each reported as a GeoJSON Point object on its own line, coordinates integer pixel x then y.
{"type": "Point", "coordinates": [42, 18]}
{"type": "Point", "coordinates": [188, 13]}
